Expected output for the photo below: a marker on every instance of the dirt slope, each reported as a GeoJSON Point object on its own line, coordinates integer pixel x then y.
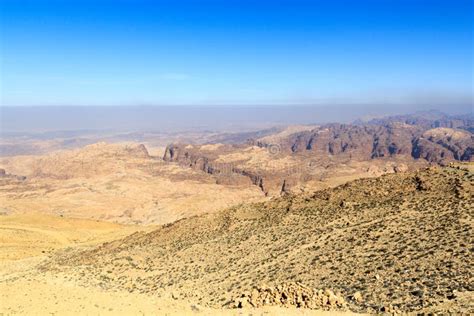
{"type": "Point", "coordinates": [398, 242]}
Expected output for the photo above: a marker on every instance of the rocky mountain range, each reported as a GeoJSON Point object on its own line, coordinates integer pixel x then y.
{"type": "Point", "coordinates": [427, 120]}
{"type": "Point", "coordinates": [402, 140]}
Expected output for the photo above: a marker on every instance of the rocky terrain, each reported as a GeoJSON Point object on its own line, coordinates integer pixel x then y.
{"type": "Point", "coordinates": [400, 242]}
{"type": "Point", "coordinates": [131, 183]}
{"type": "Point", "coordinates": [368, 217]}
{"type": "Point", "coordinates": [113, 182]}
{"type": "Point", "coordinates": [301, 156]}
{"type": "Point", "coordinates": [438, 145]}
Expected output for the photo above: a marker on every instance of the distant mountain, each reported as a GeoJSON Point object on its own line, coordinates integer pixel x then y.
{"type": "Point", "coordinates": [403, 141]}
{"type": "Point", "coordinates": [429, 119]}
{"type": "Point", "coordinates": [362, 142]}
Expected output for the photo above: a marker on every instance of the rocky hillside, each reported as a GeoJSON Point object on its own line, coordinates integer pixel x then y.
{"type": "Point", "coordinates": [441, 144]}
{"type": "Point", "coordinates": [358, 142]}
{"type": "Point", "coordinates": [302, 155]}
{"type": "Point", "coordinates": [437, 145]}
{"type": "Point", "coordinates": [398, 242]}
{"type": "Point", "coordinates": [435, 137]}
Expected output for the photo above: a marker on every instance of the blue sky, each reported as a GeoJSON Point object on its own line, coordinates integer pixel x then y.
{"type": "Point", "coordinates": [235, 52]}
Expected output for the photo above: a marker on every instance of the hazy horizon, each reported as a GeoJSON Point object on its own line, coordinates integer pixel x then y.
{"type": "Point", "coordinates": [188, 118]}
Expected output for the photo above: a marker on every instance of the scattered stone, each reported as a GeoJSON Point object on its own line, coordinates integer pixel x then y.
{"type": "Point", "coordinates": [195, 308]}
{"type": "Point", "coordinates": [400, 168]}
{"type": "Point", "coordinates": [389, 309]}
{"type": "Point", "coordinates": [291, 294]}
{"type": "Point", "coordinates": [357, 297]}
{"type": "Point", "coordinates": [175, 295]}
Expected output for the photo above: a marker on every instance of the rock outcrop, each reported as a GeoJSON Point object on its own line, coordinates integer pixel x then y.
{"type": "Point", "coordinates": [444, 144]}
{"type": "Point", "coordinates": [368, 142]}
{"type": "Point", "coordinates": [290, 294]}
{"type": "Point", "coordinates": [190, 156]}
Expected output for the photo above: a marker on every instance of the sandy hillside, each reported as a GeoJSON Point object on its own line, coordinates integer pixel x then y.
{"type": "Point", "coordinates": [27, 240]}
{"type": "Point", "coordinates": [396, 243]}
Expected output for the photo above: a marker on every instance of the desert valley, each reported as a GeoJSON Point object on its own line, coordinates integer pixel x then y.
{"type": "Point", "coordinates": [375, 216]}
{"type": "Point", "coordinates": [247, 158]}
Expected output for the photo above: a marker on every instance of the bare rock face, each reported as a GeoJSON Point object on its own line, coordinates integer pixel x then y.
{"type": "Point", "coordinates": [365, 142]}
{"type": "Point", "coordinates": [335, 139]}
{"type": "Point", "coordinates": [192, 157]}
{"type": "Point", "coordinates": [186, 155]}
{"type": "Point", "coordinates": [290, 294]}
{"type": "Point", "coordinates": [284, 188]}
{"type": "Point", "coordinates": [430, 151]}
{"type": "Point", "coordinates": [171, 152]}
{"type": "Point", "coordinates": [310, 153]}
{"type": "Point", "coordinates": [444, 144]}
{"type": "Point", "coordinates": [355, 141]}
{"type": "Point", "coordinates": [393, 139]}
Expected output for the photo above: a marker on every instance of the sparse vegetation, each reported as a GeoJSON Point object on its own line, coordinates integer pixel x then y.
{"type": "Point", "coordinates": [402, 248]}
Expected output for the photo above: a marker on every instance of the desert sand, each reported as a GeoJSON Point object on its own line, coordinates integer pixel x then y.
{"type": "Point", "coordinates": [397, 244]}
